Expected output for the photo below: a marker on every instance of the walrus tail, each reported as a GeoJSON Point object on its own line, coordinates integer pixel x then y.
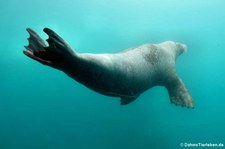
{"type": "Point", "coordinates": [53, 55]}
{"type": "Point", "coordinates": [178, 93]}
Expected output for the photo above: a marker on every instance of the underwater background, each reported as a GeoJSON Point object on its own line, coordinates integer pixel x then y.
{"type": "Point", "coordinates": [42, 108]}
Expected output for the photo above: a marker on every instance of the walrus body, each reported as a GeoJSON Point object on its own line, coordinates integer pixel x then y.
{"type": "Point", "coordinates": [126, 74]}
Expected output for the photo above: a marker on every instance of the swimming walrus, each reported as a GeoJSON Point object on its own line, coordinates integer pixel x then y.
{"type": "Point", "coordinates": [126, 74]}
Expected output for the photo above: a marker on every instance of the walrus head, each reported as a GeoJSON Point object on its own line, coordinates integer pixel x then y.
{"type": "Point", "coordinates": [177, 48]}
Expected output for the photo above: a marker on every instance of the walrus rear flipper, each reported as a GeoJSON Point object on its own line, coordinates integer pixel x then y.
{"type": "Point", "coordinates": [178, 93]}
{"type": "Point", "coordinates": [53, 55]}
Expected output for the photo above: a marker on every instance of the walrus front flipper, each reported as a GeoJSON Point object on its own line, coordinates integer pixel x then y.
{"type": "Point", "coordinates": [178, 93]}
{"type": "Point", "coordinates": [127, 100]}
{"type": "Point", "coordinates": [53, 55]}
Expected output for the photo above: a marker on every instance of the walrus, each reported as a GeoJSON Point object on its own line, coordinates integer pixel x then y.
{"type": "Point", "coordinates": [126, 74]}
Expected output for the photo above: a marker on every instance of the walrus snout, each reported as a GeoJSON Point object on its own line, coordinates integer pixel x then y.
{"type": "Point", "coordinates": [182, 46]}
{"type": "Point", "coordinates": [179, 49]}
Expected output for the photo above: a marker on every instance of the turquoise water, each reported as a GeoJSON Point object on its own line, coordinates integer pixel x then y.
{"type": "Point", "coordinates": [42, 108]}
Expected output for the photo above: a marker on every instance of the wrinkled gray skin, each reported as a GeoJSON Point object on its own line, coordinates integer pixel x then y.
{"type": "Point", "coordinates": [126, 74]}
